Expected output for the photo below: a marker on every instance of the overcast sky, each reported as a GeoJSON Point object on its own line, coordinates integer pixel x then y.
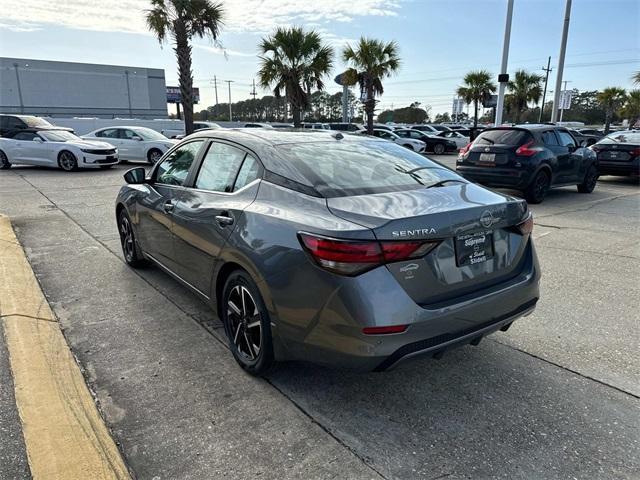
{"type": "Point", "coordinates": [439, 40]}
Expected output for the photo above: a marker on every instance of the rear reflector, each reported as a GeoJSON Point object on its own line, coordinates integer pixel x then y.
{"type": "Point", "coordinates": [384, 330]}
{"type": "Point", "coordinates": [350, 257]}
{"type": "Point", "coordinates": [526, 227]}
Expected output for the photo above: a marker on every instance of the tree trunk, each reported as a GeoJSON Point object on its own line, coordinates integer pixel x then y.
{"type": "Point", "coordinates": [297, 111]}
{"type": "Point", "coordinates": [475, 114]}
{"type": "Point", "coordinates": [370, 107]}
{"type": "Point", "coordinates": [607, 123]}
{"type": "Point", "coordinates": [185, 75]}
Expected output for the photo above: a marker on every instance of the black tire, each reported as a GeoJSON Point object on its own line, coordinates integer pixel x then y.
{"type": "Point", "coordinates": [4, 161]}
{"type": "Point", "coordinates": [67, 161]}
{"type": "Point", "coordinates": [246, 321]}
{"type": "Point", "coordinates": [439, 149]}
{"type": "Point", "coordinates": [153, 156]}
{"type": "Point", "coordinates": [538, 188]}
{"type": "Point", "coordinates": [590, 180]}
{"type": "Point", "coordinates": [130, 249]}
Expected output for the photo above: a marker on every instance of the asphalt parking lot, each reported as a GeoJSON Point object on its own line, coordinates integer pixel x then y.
{"type": "Point", "coordinates": [557, 396]}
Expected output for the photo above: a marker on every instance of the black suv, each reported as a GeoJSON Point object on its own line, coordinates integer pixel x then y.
{"type": "Point", "coordinates": [9, 124]}
{"type": "Point", "coordinates": [529, 158]}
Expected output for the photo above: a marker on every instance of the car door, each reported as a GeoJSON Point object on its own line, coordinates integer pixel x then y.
{"type": "Point", "coordinates": [560, 165]}
{"type": "Point", "coordinates": [29, 151]}
{"type": "Point", "coordinates": [132, 144]}
{"type": "Point", "coordinates": [155, 207]}
{"type": "Point", "coordinates": [207, 213]}
{"type": "Point", "coordinates": [111, 136]}
{"type": "Point", "coordinates": [574, 158]}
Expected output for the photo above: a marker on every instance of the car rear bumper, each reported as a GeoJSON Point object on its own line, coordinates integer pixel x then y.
{"type": "Point", "coordinates": [494, 176]}
{"type": "Point", "coordinates": [630, 168]}
{"type": "Point", "coordinates": [334, 335]}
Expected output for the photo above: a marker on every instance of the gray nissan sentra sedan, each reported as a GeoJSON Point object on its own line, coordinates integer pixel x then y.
{"type": "Point", "coordinates": [342, 250]}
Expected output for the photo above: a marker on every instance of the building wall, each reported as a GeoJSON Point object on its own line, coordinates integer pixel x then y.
{"type": "Point", "coordinates": [80, 89]}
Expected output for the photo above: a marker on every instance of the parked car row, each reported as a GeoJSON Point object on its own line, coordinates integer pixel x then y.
{"type": "Point", "coordinates": [535, 158]}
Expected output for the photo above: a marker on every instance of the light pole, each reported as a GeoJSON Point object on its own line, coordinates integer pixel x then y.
{"type": "Point", "coordinates": [503, 78]}
{"type": "Point", "coordinates": [229, 82]}
{"type": "Point", "coordinates": [563, 50]}
{"type": "Point", "coordinates": [126, 73]}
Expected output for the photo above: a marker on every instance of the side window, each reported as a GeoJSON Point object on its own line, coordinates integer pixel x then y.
{"type": "Point", "coordinates": [249, 171]}
{"type": "Point", "coordinates": [549, 138]}
{"type": "Point", "coordinates": [128, 134]}
{"type": "Point", "coordinates": [174, 169]}
{"type": "Point", "coordinates": [24, 136]}
{"type": "Point", "coordinates": [566, 140]}
{"type": "Point", "coordinates": [416, 135]}
{"type": "Point", "coordinates": [108, 133]}
{"type": "Point", "coordinates": [219, 168]}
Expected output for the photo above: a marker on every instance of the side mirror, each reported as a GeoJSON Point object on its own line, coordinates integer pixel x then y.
{"type": "Point", "coordinates": [135, 176]}
{"type": "Point", "coordinates": [38, 140]}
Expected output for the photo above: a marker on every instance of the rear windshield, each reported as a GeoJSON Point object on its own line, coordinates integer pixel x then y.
{"type": "Point", "coordinates": [622, 137]}
{"type": "Point", "coordinates": [503, 137]}
{"type": "Point", "coordinates": [35, 121]}
{"type": "Point", "coordinates": [359, 168]}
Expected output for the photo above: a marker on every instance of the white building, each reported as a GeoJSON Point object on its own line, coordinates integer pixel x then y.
{"type": "Point", "coordinates": [66, 89]}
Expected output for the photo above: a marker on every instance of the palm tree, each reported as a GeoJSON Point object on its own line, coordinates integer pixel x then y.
{"type": "Point", "coordinates": [477, 87]}
{"type": "Point", "coordinates": [525, 88]}
{"type": "Point", "coordinates": [181, 20]}
{"type": "Point", "coordinates": [294, 62]}
{"type": "Point", "coordinates": [631, 109]}
{"type": "Point", "coordinates": [371, 62]}
{"type": "Point", "coordinates": [611, 98]}
{"type": "Point", "coordinates": [636, 78]}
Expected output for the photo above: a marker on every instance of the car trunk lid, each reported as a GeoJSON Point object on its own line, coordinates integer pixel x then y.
{"type": "Point", "coordinates": [474, 228]}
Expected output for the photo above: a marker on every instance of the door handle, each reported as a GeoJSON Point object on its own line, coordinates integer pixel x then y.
{"type": "Point", "coordinates": [168, 207]}
{"type": "Point", "coordinates": [224, 219]}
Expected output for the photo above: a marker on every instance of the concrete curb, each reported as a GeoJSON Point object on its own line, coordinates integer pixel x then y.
{"type": "Point", "coordinates": [64, 434]}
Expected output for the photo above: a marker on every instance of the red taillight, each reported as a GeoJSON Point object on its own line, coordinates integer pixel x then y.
{"type": "Point", "coordinates": [635, 152]}
{"type": "Point", "coordinates": [350, 257]}
{"type": "Point", "coordinates": [464, 150]}
{"type": "Point", "coordinates": [526, 227]}
{"type": "Point", "coordinates": [526, 150]}
{"type": "Point", "coordinates": [384, 330]}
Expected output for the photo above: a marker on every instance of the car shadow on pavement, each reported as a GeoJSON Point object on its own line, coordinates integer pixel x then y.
{"type": "Point", "coordinates": [479, 412]}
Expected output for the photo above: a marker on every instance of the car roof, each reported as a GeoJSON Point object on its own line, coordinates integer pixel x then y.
{"type": "Point", "coordinates": [273, 137]}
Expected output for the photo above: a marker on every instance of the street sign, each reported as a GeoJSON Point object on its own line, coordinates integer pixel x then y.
{"type": "Point", "coordinates": [458, 106]}
{"type": "Point", "coordinates": [565, 100]}
{"type": "Point", "coordinates": [490, 101]}
{"type": "Point", "coordinates": [174, 95]}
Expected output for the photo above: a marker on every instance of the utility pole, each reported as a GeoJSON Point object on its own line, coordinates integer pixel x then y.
{"type": "Point", "coordinates": [229, 82]}
{"type": "Point", "coordinates": [564, 93]}
{"type": "Point", "coordinates": [563, 50]}
{"type": "Point", "coordinates": [215, 88]}
{"type": "Point", "coordinates": [503, 78]}
{"type": "Point", "coordinates": [15, 66]}
{"type": "Point", "coordinates": [253, 94]}
{"type": "Point", "coordinates": [547, 71]}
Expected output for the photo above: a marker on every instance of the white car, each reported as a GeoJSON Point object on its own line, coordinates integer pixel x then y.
{"type": "Point", "coordinates": [134, 143]}
{"type": "Point", "coordinates": [55, 148]}
{"type": "Point", "coordinates": [411, 143]}
{"type": "Point", "coordinates": [460, 140]}
{"type": "Point", "coordinates": [198, 125]}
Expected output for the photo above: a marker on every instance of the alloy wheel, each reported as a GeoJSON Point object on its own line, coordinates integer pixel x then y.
{"type": "Point", "coordinates": [154, 156]}
{"type": "Point", "coordinates": [244, 322]}
{"type": "Point", "coordinates": [541, 186]}
{"type": "Point", "coordinates": [438, 149]}
{"type": "Point", "coordinates": [126, 237]}
{"type": "Point", "coordinates": [67, 161]}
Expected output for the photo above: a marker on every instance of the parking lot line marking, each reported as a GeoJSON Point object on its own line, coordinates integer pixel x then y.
{"type": "Point", "coordinates": [64, 434]}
